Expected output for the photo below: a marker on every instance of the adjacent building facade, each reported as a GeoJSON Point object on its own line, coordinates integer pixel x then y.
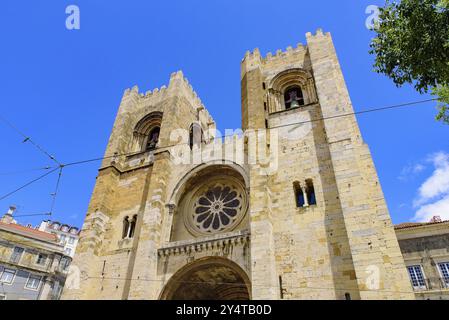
{"type": "Point", "coordinates": [33, 265]}
{"type": "Point", "coordinates": [67, 235]}
{"type": "Point", "coordinates": [425, 248]}
{"type": "Point", "coordinates": [290, 209]}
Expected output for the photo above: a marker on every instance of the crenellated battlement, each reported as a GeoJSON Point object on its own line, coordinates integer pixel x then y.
{"type": "Point", "coordinates": [283, 53]}
{"type": "Point", "coordinates": [178, 86]}
{"type": "Point", "coordinates": [255, 54]}
{"type": "Point", "coordinates": [319, 33]}
{"type": "Point", "coordinates": [254, 57]}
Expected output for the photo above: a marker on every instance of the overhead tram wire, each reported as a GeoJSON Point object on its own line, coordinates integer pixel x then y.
{"type": "Point", "coordinates": [42, 150]}
{"type": "Point", "coordinates": [27, 184]}
{"type": "Point", "coordinates": [10, 173]}
{"type": "Point", "coordinates": [32, 215]}
{"type": "Point", "coordinates": [408, 104]}
{"type": "Point", "coordinates": [28, 139]}
{"type": "Point", "coordinates": [235, 284]}
{"type": "Point", "coordinates": [55, 193]}
{"type": "Point", "coordinates": [62, 166]}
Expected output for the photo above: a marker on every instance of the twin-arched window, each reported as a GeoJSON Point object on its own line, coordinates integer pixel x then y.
{"type": "Point", "coordinates": [129, 227]}
{"type": "Point", "coordinates": [147, 133]}
{"type": "Point", "coordinates": [304, 194]}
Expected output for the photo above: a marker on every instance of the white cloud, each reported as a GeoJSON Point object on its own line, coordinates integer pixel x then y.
{"type": "Point", "coordinates": [438, 208]}
{"type": "Point", "coordinates": [433, 194]}
{"type": "Point", "coordinates": [438, 184]}
{"type": "Point", "coordinates": [418, 168]}
{"type": "Point", "coordinates": [410, 171]}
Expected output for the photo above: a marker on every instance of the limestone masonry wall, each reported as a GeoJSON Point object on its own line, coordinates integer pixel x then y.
{"type": "Point", "coordinates": [341, 246]}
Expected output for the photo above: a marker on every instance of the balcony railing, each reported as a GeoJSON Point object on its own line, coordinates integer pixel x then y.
{"type": "Point", "coordinates": [433, 284]}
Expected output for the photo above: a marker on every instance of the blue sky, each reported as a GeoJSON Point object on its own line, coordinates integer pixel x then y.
{"type": "Point", "coordinates": [62, 87]}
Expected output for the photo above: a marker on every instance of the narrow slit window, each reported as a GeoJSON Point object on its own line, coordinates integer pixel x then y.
{"type": "Point", "coordinates": [132, 227]}
{"type": "Point", "coordinates": [125, 228]}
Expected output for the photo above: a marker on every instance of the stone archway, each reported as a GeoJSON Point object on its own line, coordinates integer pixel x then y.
{"type": "Point", "coordinates": [208, 279]}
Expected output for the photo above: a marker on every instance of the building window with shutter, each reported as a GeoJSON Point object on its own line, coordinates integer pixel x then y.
{"type": "Point", "coordinates": [417, 277]}
{"type": "Point", "coordinates": [16, 255]}
{"type": "Point", "coordinates": [41, 259]}
{"type": "Point", "coordinates": [7, 276]}
{"type": "Point", "coordinates": [444, 270]}
{"type": "Point", "coordinates": [33, 282]}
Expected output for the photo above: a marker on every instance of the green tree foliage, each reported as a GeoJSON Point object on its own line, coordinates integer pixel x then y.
{"type": "Point", "coordinates": [412, 46]}
{"type": "Point", "coordinates": [443, 94]}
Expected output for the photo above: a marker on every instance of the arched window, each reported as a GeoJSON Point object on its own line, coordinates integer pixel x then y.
{"type": "Point", "coordinates": [153, 138]}
{"type": "Point", "coordinates": [132, 227]}
{"type": "Point", "coordinates": [293, 97]}
{"type": "Point", "coordinates": [299, 195]}
{"type": "Point", "coordinates": [147, 132]}
{"type": "Point", "coordinates": [129, 227]}
{"type": "Point", "coordinates": [125, 228]}
{"type": "Point", "coordinates": [305, 194]}
{"type": "Point", "coordinates": [195, 135]}
{"type": "Point", "coordinates": [310, 190]}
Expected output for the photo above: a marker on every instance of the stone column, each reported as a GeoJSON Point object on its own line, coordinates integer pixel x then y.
{"type": "Point", "coordinates": [168, 222]}
{"type": "Point", "coordinates": [304, 193]}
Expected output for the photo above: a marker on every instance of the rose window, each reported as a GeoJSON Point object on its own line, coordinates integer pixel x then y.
{"type": "Point", "coordinates": [216, 207]}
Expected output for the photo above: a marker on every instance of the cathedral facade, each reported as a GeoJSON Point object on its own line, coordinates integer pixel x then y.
{"type": "Point", "coordinates": [290, 207]}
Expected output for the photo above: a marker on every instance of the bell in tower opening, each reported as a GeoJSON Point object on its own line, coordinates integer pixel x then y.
{"type": "Point", "coordinates": [293, 98]}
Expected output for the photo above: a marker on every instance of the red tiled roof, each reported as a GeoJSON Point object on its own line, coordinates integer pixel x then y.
{"type": "Point", "coordinates": [407, 225]}
{"type": "Point", "coordinates": [29, 232]}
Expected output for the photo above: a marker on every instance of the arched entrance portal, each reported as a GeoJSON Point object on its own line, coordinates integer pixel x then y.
{"type": "Point", "coordinates": [208, 279]}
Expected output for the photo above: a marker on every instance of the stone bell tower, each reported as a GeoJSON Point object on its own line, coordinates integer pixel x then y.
{"type": "Point", "coordinates": [320, 227]}
{"type": "Point", "coordinates": [308, 222]}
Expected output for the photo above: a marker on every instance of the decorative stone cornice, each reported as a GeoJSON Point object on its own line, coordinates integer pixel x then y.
{"type": "Point", "coordinates": [198, 245]}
